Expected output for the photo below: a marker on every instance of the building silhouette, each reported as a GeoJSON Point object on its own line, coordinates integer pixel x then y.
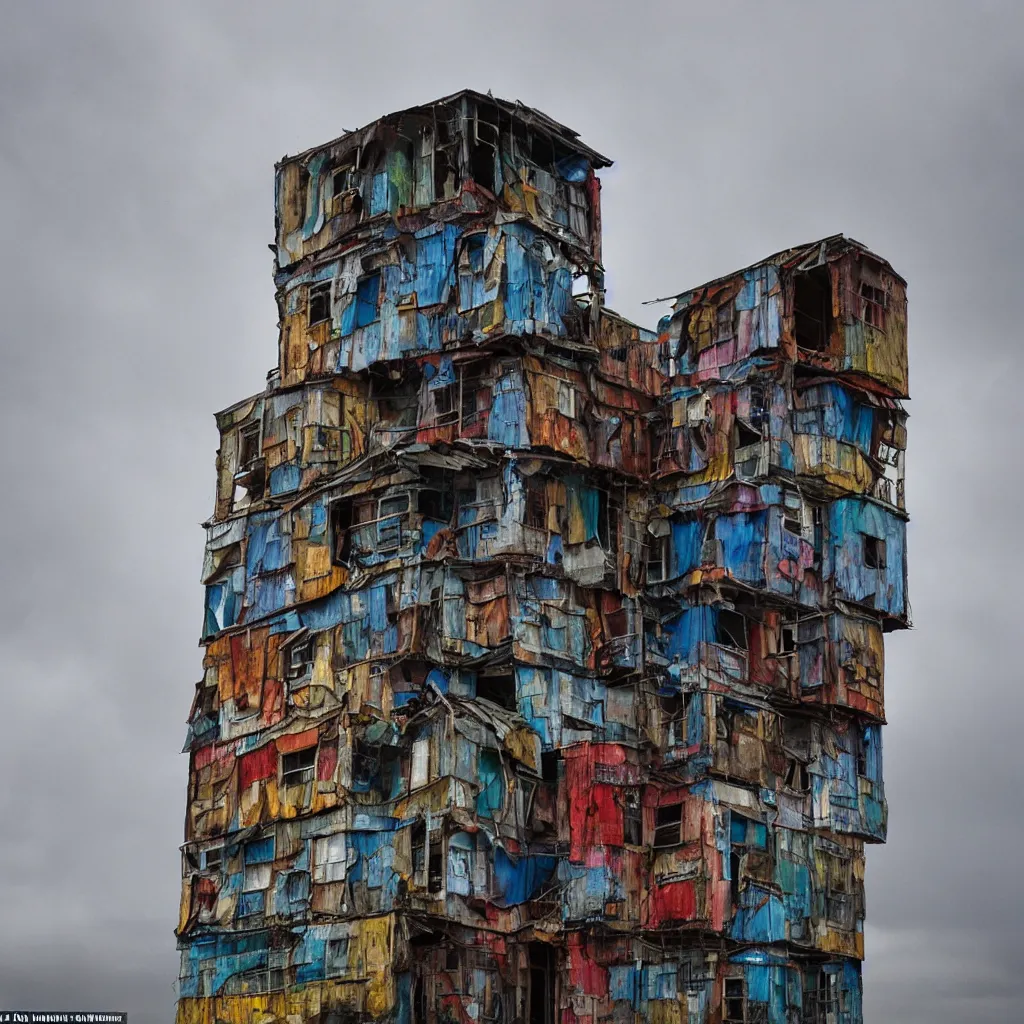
{"type": "Point", "coordinates": [543, 674]}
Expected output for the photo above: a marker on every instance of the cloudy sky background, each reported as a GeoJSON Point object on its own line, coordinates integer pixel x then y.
{"type": "Point", "coordinates": [137, 144]}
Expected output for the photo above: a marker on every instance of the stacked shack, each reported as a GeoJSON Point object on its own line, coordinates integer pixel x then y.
{"type": "Point", "coordinates": [543, 654]}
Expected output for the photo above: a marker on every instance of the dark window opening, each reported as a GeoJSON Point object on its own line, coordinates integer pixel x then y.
{"type": "Point", "coordinates": [668, 823]}
{"type": "Point", "coordinates": [731, 630]}
{"type": "Point", "coordinates": [500, 690]}
{"type": "Point", "coordinates": [607, 521]}
{"type": "Point", "coordinates": [319, 304]}
{"type": "Point", "coordinates": [797, 776]}
{"type": "Point", "coordinates": [436, 500]}
{"type": "Point", "coordinates": [862, 760]}
{"type": "Point", "coordinates": [632, 820]}
{"type": "Point", "coordinates": [542, 984]}
{"type": "Point", "coordinates": [818, 527]}
{"type": "Point", "coordinates": [549, 765]}
{"type": "Point", "coordinates": [451, 958]}
{"type": "Point", "coordinates": [542, 150]}
{"type": "Point", "coordinates": [444, 403]}
{"type": "Point", "coordinates": [212, 859]}
{"type": "Point", "coordinates": [788, 640]}
{"type": "Point", "coordinates": [367, 297]}
{"type": "Point", "coordinates": [365, 763]}
{"type": "Point", "coordinates": [341, 531]}
{"type": "Point", "coordinates": [734, 1001]}
{"type": "Point", "coordinates": [735, 866]}
{"type": "Point", "coordinates": [758, 406]}
{"type": "Point", "coordinates": [436, 504]}
{"type": "Point", "coordinates": [536, 504]}
{"type": "Point", "coordinates": [446, 178]}
{"type": "Point", "coordinates": [874, 552]}
{"type": "Point", "coordinates": [482, 166]}
{"type": "Point", "coordinates": [435, 876]}
{"type": "Point", "coordinates": [468, 402]}
{"type": "Point", "coordinates": [475, 253]}
{"type": "Point", "coordinates": [821, 996]}
{"type": "Point", "coordinates": [674, 709]}
{"type": "Point", "coordinates": [745, 436]}
{"type": "Point", "coordinates": [724, 715]}
{"type": "Point", "coordinates": [812, 309]}
{"type": "Point", "coordinates": [418, 843]}
{"type": "Point", "coordinates": [298, 768]}
{"type": "Point", "coordinates": [419, 1000]}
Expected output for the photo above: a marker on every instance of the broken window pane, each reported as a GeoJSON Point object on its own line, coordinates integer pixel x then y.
{"type": "Point", "coordinates": [731, 630]}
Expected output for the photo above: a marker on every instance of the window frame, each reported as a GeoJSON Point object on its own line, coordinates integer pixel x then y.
{"type": "Point", "coordinates": [297, 776]}
{"type": "Point", "coordinates": [317, 291]}
{"type": "Point", "coordinates": [363, 302]}
{"type": "Point", "coordinates": [728, 1015]}
{"type": "Point", "coordinates": [874, 552]}
{"type": "Point", "coordinates": [662, 822]}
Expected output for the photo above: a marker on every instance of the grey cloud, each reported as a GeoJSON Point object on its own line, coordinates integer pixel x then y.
{"type": "Point", "coordinates": [137, 144]}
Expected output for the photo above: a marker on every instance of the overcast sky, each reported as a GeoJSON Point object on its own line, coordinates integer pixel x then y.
{"type": "Point", "coordinates": [137, 145]}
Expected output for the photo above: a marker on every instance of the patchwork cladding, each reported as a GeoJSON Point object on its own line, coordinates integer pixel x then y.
{"type": "Point", "coordinates": [543, 674]}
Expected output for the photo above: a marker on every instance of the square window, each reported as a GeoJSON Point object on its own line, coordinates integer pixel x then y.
{"type": "Point", "coordinates": [299, 767]}
{"type": "Point", "coordinates": [668, 823]}
{"type": "Point", "coordinates": [731, 630]}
